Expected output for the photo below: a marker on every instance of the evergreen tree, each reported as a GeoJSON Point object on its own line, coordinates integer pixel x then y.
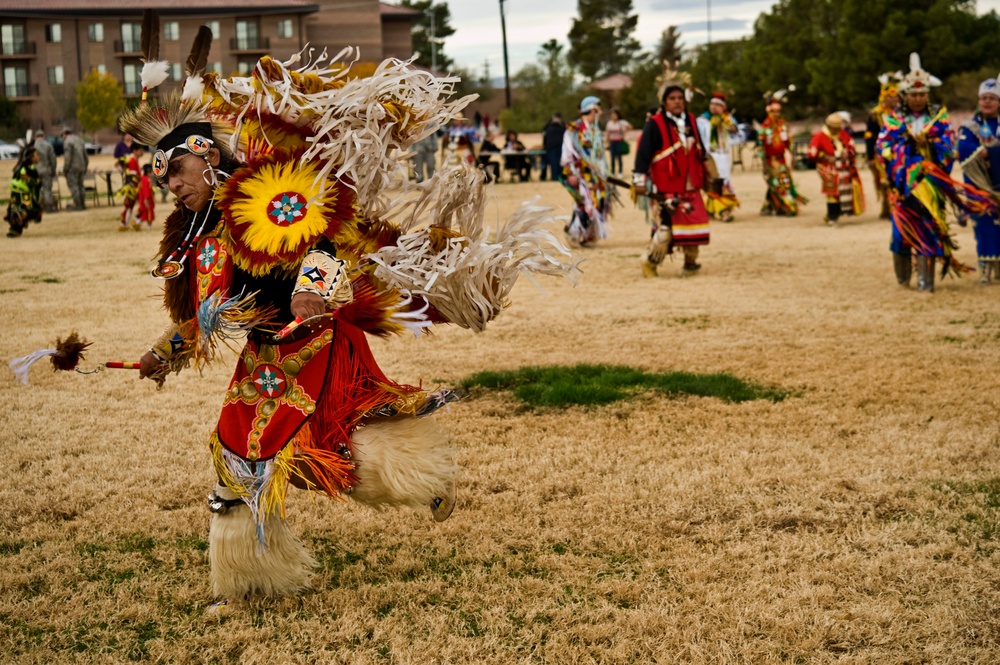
{"type": "Point", "coordinates": [422, 32]}
{"type": "Point", "coordinates": [601, 41]}
{"type": "Point", "coordinates": [542, 89]}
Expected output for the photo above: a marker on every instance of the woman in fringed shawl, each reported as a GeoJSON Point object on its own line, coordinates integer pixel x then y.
{"type": "Point", "coordinates": [918, 147]}
{"type": "Point", "coordinates": [584, 175]}
{"type": "Point", "coordinates": [782, 198]}
{"type": "Point", "coordinates": [832, 149]}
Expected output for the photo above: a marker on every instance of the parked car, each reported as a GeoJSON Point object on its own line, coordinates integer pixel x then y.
{"type": "Point", "coordinates": [57, 144]}
{"type": "Point", "coordinates": [9, 150]}
{"type": "Point", "coordinates": [93, 148]}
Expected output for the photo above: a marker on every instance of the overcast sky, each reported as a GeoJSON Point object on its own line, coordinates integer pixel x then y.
{"type": "Point", "coordinates": [531, 23]}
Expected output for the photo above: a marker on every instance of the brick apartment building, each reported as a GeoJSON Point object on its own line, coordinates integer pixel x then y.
{"type": "Point", "coordinates": [48, 46]}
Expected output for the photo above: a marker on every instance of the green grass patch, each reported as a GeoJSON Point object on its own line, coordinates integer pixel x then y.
{"type": "Point", "coordinates": [10, 548]}
{"type": "Point", "coordinates": [978, 506]}
{"type": "Point", "coordinates": [585, 385]}
{"type": "Point", "coordinates": [41, 279]}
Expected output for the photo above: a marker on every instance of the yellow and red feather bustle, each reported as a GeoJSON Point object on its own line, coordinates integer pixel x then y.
{"type": "Point", "coordinates": [277, 207]}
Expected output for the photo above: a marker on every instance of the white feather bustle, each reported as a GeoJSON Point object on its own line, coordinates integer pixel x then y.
{"type": "Point", "coordinates": [353, 135]}
{"type": "Point", "coordinates": [402, 461]}
{"type": "Point", "coordinates": [469, 280]}
{"type": "Point", "coordinates": [154, 73]}
{"type": "Point", "coordinates": [240, 567]}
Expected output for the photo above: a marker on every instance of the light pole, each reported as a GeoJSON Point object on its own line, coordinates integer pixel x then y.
{"type": "Point", "coordinates": [708, 23]}
{"type": "Point", "coordinates": [506, 67]}
{"type": "Point", "coordinates": [434, 52]}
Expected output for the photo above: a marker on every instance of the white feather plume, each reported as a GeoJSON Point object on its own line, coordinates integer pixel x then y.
{"type": "Point", "coordinates": [154, 73]}
{"type": "Point", "coordinates": [194, 87]}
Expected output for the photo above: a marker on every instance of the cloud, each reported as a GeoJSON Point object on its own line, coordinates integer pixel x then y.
{"type": "Point", "coordinates": [675, 5]}
{"type": "Point", "coordinates": [720, 25]}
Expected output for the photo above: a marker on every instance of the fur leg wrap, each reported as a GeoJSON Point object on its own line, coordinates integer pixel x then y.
{"type": "Point", "coordinates": [402, 461]}
{"type": "Point", "coordinates": [241, 567]}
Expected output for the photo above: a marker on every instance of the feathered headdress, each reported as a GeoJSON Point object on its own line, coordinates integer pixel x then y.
{"type": "Point", "coordinates": [149, 125]}
{"type": "Point", "coordinates": [154, 71]}
{"type": "Point", "coordinates": [778, 97]}
{"type": "Point", "coordinates": [672, 77]}
{"type": "Point", "coordinates": [918, 78]}
{"type": "Point", "coordinates": [889, 84]}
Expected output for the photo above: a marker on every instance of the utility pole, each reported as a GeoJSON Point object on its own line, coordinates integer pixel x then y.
{"type": "Point", "coordinates": [506, 67]}
{"type": "Point", "coordinates": [434, 52]}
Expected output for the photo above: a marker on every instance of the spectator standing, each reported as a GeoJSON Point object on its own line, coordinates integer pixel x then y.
{"type": "Point", "coordinates": [46, 168]}
{"type": "Point", "coordinates": [552, 140]}
{"type": "Point", "coordinates": [124, 147]}
{"type": "Point", "coordinates": [424, 157]}
{"type": "Point", "coordinates": [75, 163]}
{"type": "Point", "coordinates": [614, 132]}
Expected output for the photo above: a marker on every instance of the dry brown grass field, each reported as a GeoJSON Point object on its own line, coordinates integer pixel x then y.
{"type": "Point", "coordinates": [857, 521]}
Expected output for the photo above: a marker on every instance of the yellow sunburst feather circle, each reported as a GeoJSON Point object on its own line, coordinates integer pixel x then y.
{"type": "Point", "coordinates": [260, 232]}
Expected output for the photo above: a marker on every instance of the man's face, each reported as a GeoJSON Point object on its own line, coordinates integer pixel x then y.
{"type": "Point", "coordinates": [716, 107]}
{"type": "Point", "coordinates": [674, 103]}
{"type": "Point", "coordinates": [989, 105]}
{"type": "Point", "coordinates": [892, 101]}
{"type": "Point", "coordinates": [185, 179]}
{"type": "Point", "coordinates": [917, 101]}
{"type": "Point", "coordinates": [774, 111]}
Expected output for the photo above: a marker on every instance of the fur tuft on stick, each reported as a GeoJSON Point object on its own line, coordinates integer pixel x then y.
{"type": "Point", "coordinates": [69, 352]}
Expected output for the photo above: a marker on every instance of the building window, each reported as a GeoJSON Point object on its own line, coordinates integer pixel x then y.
{"type": "Point", "coordinates": [12, 38]}
{"type": "Point", "coordinates": [132, 84]}
{"type": "Point", "coordinates": [101, 69]}
{"type": "Point", "coordinates": [15, 81]}
{"type": "Point", "coordinates": [56, 75]}
{"type": "Point", "coordinates": [171, 31]}
{"type": "Point", "coordinates": [214, 27]}
{"type": "Point", "coordinates": [53, 33]}
{"type": "Point", "coordinates": [247, 35]}
{"type": "Point", "coordinates": [175, 71]}
{"type": "Point", "coordinates": [215, 67]}
{"type": "Point", "coordinates": [245, 67]}
{"type": "Point", "coordinates": [95, 32]}
{"type": "Point", "coordinates": [285, 29]}
{"type": "Point", "coordinates": [131, 37]}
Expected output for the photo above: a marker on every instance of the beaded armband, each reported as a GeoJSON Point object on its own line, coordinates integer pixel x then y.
{"type": "Point", "coordinates": [326, 276]}
{"type": "Point", "coordinates": [169, 344]}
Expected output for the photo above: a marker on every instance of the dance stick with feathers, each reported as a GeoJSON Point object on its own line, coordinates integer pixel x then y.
{"type": "Point", "coordinates": [66, 356]}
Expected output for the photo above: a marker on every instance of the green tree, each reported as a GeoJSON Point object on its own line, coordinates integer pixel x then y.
{"type": "Point", "coordinates": [434, 24]}
{"type": "Point", "coordinates": [11, 123]}
{"type": "Point", "coordinates": [601, 41]}
{"type": "Point", "coordinates": [542, 89]}
{"type": "Point", "coordinates": [670, 47]}
{"type": "Point", "coordinates": [99, 101]}
{"type": "Point", "coordinates": [833, 50]}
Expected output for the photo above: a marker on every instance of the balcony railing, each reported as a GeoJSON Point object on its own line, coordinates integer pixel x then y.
{"type": "Point", "coordinates": [127, 46]}
{"type": "Point", "coordinates": [18, 48]}
{"type": "Point", "coordinates": [16, 90]}
{"type": "Point", "coordinates": [249, 43]}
